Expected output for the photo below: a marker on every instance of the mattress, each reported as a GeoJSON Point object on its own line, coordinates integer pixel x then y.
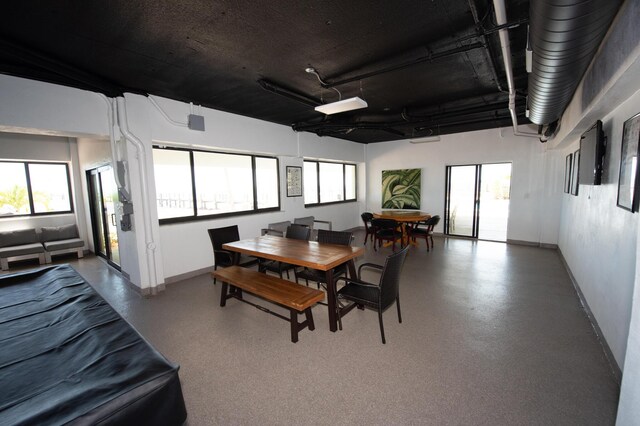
{"type": "Point", "coordinates": [67, 357]}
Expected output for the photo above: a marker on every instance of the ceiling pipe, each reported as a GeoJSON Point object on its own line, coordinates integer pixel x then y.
{"type": "Point", "coordinates": [427, 58]}
{"type": "Point", "coordinates": [288, 93]}
{"type": "Point", "coordinates": [564, 36]}
{"type": "Point", "coordinates": [141, 160]}
{"type": "Point", "coordinates": [488, 50]}
{"type": "Point", "coordinates": [505, 45]}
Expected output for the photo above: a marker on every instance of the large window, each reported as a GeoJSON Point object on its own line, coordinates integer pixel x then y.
{"type": "Point", "coordinates": [326, 183]}
{"type": "Point", "coordinates": [29, 188]}
{"type": "Point", "coordinates": [220, 184]}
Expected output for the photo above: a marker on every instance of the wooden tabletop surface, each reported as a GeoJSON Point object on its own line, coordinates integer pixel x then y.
{"type": "Point", "coordinates": [302, 253]}
{"type": "Point", "coordinates": [402, 215]}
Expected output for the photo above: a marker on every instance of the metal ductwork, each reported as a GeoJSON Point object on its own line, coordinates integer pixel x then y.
{"type": "Point", "coordinates": [564, 36]}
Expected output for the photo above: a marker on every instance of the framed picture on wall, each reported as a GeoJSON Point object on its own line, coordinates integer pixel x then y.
{"type": "Point", "coordinates": [628, 179]}
{"type": "Point", "coordinates": [294, 181]}
{"type": "Point", "coordinates": [575, 166]}
{"type": "Point", "coordinates": [567, 174]}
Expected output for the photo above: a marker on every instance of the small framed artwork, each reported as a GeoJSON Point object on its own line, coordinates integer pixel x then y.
{"type": "Point", "coordinates": [567, 174]}
{"type": "Point", "coordinates": [294, 181]}
{"type": "Point", "coordinates": [628, 180]}
{"type": "Point", "coordinates": [575, 172]}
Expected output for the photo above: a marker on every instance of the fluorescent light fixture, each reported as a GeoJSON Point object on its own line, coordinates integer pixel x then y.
{"type": "Point", "coordinates": [425, 139]}
{"type": "Point", "coordinates": [342, 106]}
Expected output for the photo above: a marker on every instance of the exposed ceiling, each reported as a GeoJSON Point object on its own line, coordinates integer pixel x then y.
{"type": "Point", "coordinates": [425, 67]}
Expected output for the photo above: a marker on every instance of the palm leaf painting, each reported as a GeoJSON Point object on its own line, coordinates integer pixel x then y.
{"type": "Point", "coordinates": [401, 189]}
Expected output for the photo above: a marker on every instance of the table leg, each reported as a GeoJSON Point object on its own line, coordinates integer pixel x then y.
{"type": "Point", "coordinates": [331, 301]}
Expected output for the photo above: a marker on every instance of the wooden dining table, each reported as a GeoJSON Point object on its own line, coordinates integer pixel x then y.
{"type": "Point", "coordinates": [405, 217]}
{"type": "Point", "coordinates": [311, 254]}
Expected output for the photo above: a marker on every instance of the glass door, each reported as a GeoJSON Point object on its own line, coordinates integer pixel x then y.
{"type": "Point", "coordinates": [103, 195]}
{"type": "Point", "coordinates": [495, 191]}
{"type": "Point", "coordinates": [477, 201]}
{"type": "Point", "coordinates": [461, 206]}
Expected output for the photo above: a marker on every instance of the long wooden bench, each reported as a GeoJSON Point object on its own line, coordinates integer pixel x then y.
{"type": "Point", "coordinates": [296, 298]}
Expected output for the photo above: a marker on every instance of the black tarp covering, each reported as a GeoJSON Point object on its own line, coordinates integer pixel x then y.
{"type": "Point", "coordinates": [66, 356]}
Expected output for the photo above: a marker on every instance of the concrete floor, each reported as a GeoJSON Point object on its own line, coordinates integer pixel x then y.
{"type": "Point", "coordinates": [492, 334]}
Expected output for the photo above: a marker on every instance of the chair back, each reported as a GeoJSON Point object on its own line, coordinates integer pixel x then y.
{"type": "Point", "coordinates": [343, 238]}
{"type": "Point", "coordinates": [278, 228]}
{"type": "Point", "coordinates": [220, 236]}
{"type": "Point", "coordinates": [305, 221]}
{"type": "Point", "coordinates": [366, 218]}
{"type": "Point", "coordinates": [384, 224]}
{"type": "Point", "coordinates": [390, 278]}
{"type": "Point", "coordinates": [431, 222]}
{"type": "Point", "coordinates": [298, 232]}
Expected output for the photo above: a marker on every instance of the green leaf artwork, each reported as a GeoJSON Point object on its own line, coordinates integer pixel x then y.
{"type": "Point", "coordinates": [401, 189]}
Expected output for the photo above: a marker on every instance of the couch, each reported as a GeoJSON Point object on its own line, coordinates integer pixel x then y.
{"type": "Point", "coordinates": [29, 244]}
{"type": "Point", "coordinates": [18, 245]}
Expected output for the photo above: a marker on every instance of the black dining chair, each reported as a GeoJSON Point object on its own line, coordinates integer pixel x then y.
{"type": "Point", "coordinates": [296, 232]}
{"type": "Point", "coordinates": [320, 277]}
{"type": "Point", "coordinates": [387, 230]}
{"type": "Point", "coordinates": [424, 230]}
{"type": "Point", "coordinates": [222, 257]}
{"type": "Point", "coordinates": [368, 227]}
{"type": "Point", "coordinates": [375, 296]}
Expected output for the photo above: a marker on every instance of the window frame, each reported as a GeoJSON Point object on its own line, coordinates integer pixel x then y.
{"type": "Point", "coordinates": [195, 217]}
{"type": "Point", "coordinates": [344, 183]}
{"type": "Point", "coordinates": [30, 190]}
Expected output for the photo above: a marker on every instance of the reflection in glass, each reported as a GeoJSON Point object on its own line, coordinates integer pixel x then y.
{"type": "Point", "coordinates": [331, 182]}
{"type": "Point", "coordinates": [310, 175]}
{"type": "Point", "coordinates": [173, 183]}
{"type": "Point", "coordinates": [14, 195]}
{"type": "Point", "coordinates": [224, 182]}
{"type": "Point", "coordinates": [50, 188]}
{"type": "Point", "coordinates": [462, 200]}
{"type": "Point", "coordinates": [267, 182]}
{"type": "Point", "coordinates": [350, 181]}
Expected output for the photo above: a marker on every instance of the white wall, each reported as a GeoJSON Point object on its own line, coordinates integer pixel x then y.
{"type": "Point", "coordinates": [186, 246]}
{"type": "Point", "coordinates": [528, 192]}
{"type": "Point", "coordinates": [598, 240]}
{"type": "Point", "coordinates": [151, 255]}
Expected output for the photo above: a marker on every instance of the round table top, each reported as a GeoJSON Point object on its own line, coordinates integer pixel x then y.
{"type": "Point", "coordinates": [402, 215]}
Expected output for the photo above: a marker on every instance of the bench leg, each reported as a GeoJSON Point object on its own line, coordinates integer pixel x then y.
{"type": "Point", "coordinates": [42, 258]}
{"type": "Point", "coordinates": [4, 264]}
{"type": "Point", "coordinates": [223, 294]}
{"type": "Point", "coordinates": [80, 253]}
{"type": "Point", "coordinates": [294, 325]}
{"type": "Point", "coordinates": [47, 257]}
{"type": "Point", "coordinates": [309, 316]}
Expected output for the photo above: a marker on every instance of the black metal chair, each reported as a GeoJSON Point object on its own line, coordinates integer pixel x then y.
{"type": "Point", "coordinates": [376, 296]}
{"type": "Point", "coordinates": [424, 230]}
{"type": "Point", "coordinates": [320, 277]}
{"type": "Point", "coordinates": [296, 232]}
{"type": "Point", "coordinates": [387, 230]}
{"type": "Point", "coordinates": [222, 257]}
{"type": "Point", "coordinates": [368, 227]}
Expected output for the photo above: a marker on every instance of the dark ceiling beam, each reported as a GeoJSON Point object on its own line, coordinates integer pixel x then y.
{"type": "Point", "coordinates": [275, 88]}
{"type": "Point", "coordinates": [426, 58]}
{"type": "Point", "coordinates": [59, 72]}
{"type": "Point", "coordinates": [488, 49]}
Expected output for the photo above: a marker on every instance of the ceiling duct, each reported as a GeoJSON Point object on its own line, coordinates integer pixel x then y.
{"type": "Point", "coordinates": [564, 36]}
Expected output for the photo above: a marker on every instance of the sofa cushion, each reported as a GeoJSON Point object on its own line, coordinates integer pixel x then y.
{"type": "Point", "coordinates": [21, 250]}
{"type": "Point", "coordinates": [18, 238]}
{"type": "Point", "coordinates": [63, 244]}
{"type": "Point", "coordinates": [55, 233]}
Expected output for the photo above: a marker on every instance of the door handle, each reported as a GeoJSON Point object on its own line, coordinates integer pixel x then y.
{"type": "Point", "coordinates": [113, 219]}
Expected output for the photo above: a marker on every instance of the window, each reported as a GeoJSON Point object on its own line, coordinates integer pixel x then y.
{"type": "Point", "coordinates": [28, 188]}
{"type": "Point", "coordinates": [220, 184]}
{"type": "Point", "coordinates": [326, 183]}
